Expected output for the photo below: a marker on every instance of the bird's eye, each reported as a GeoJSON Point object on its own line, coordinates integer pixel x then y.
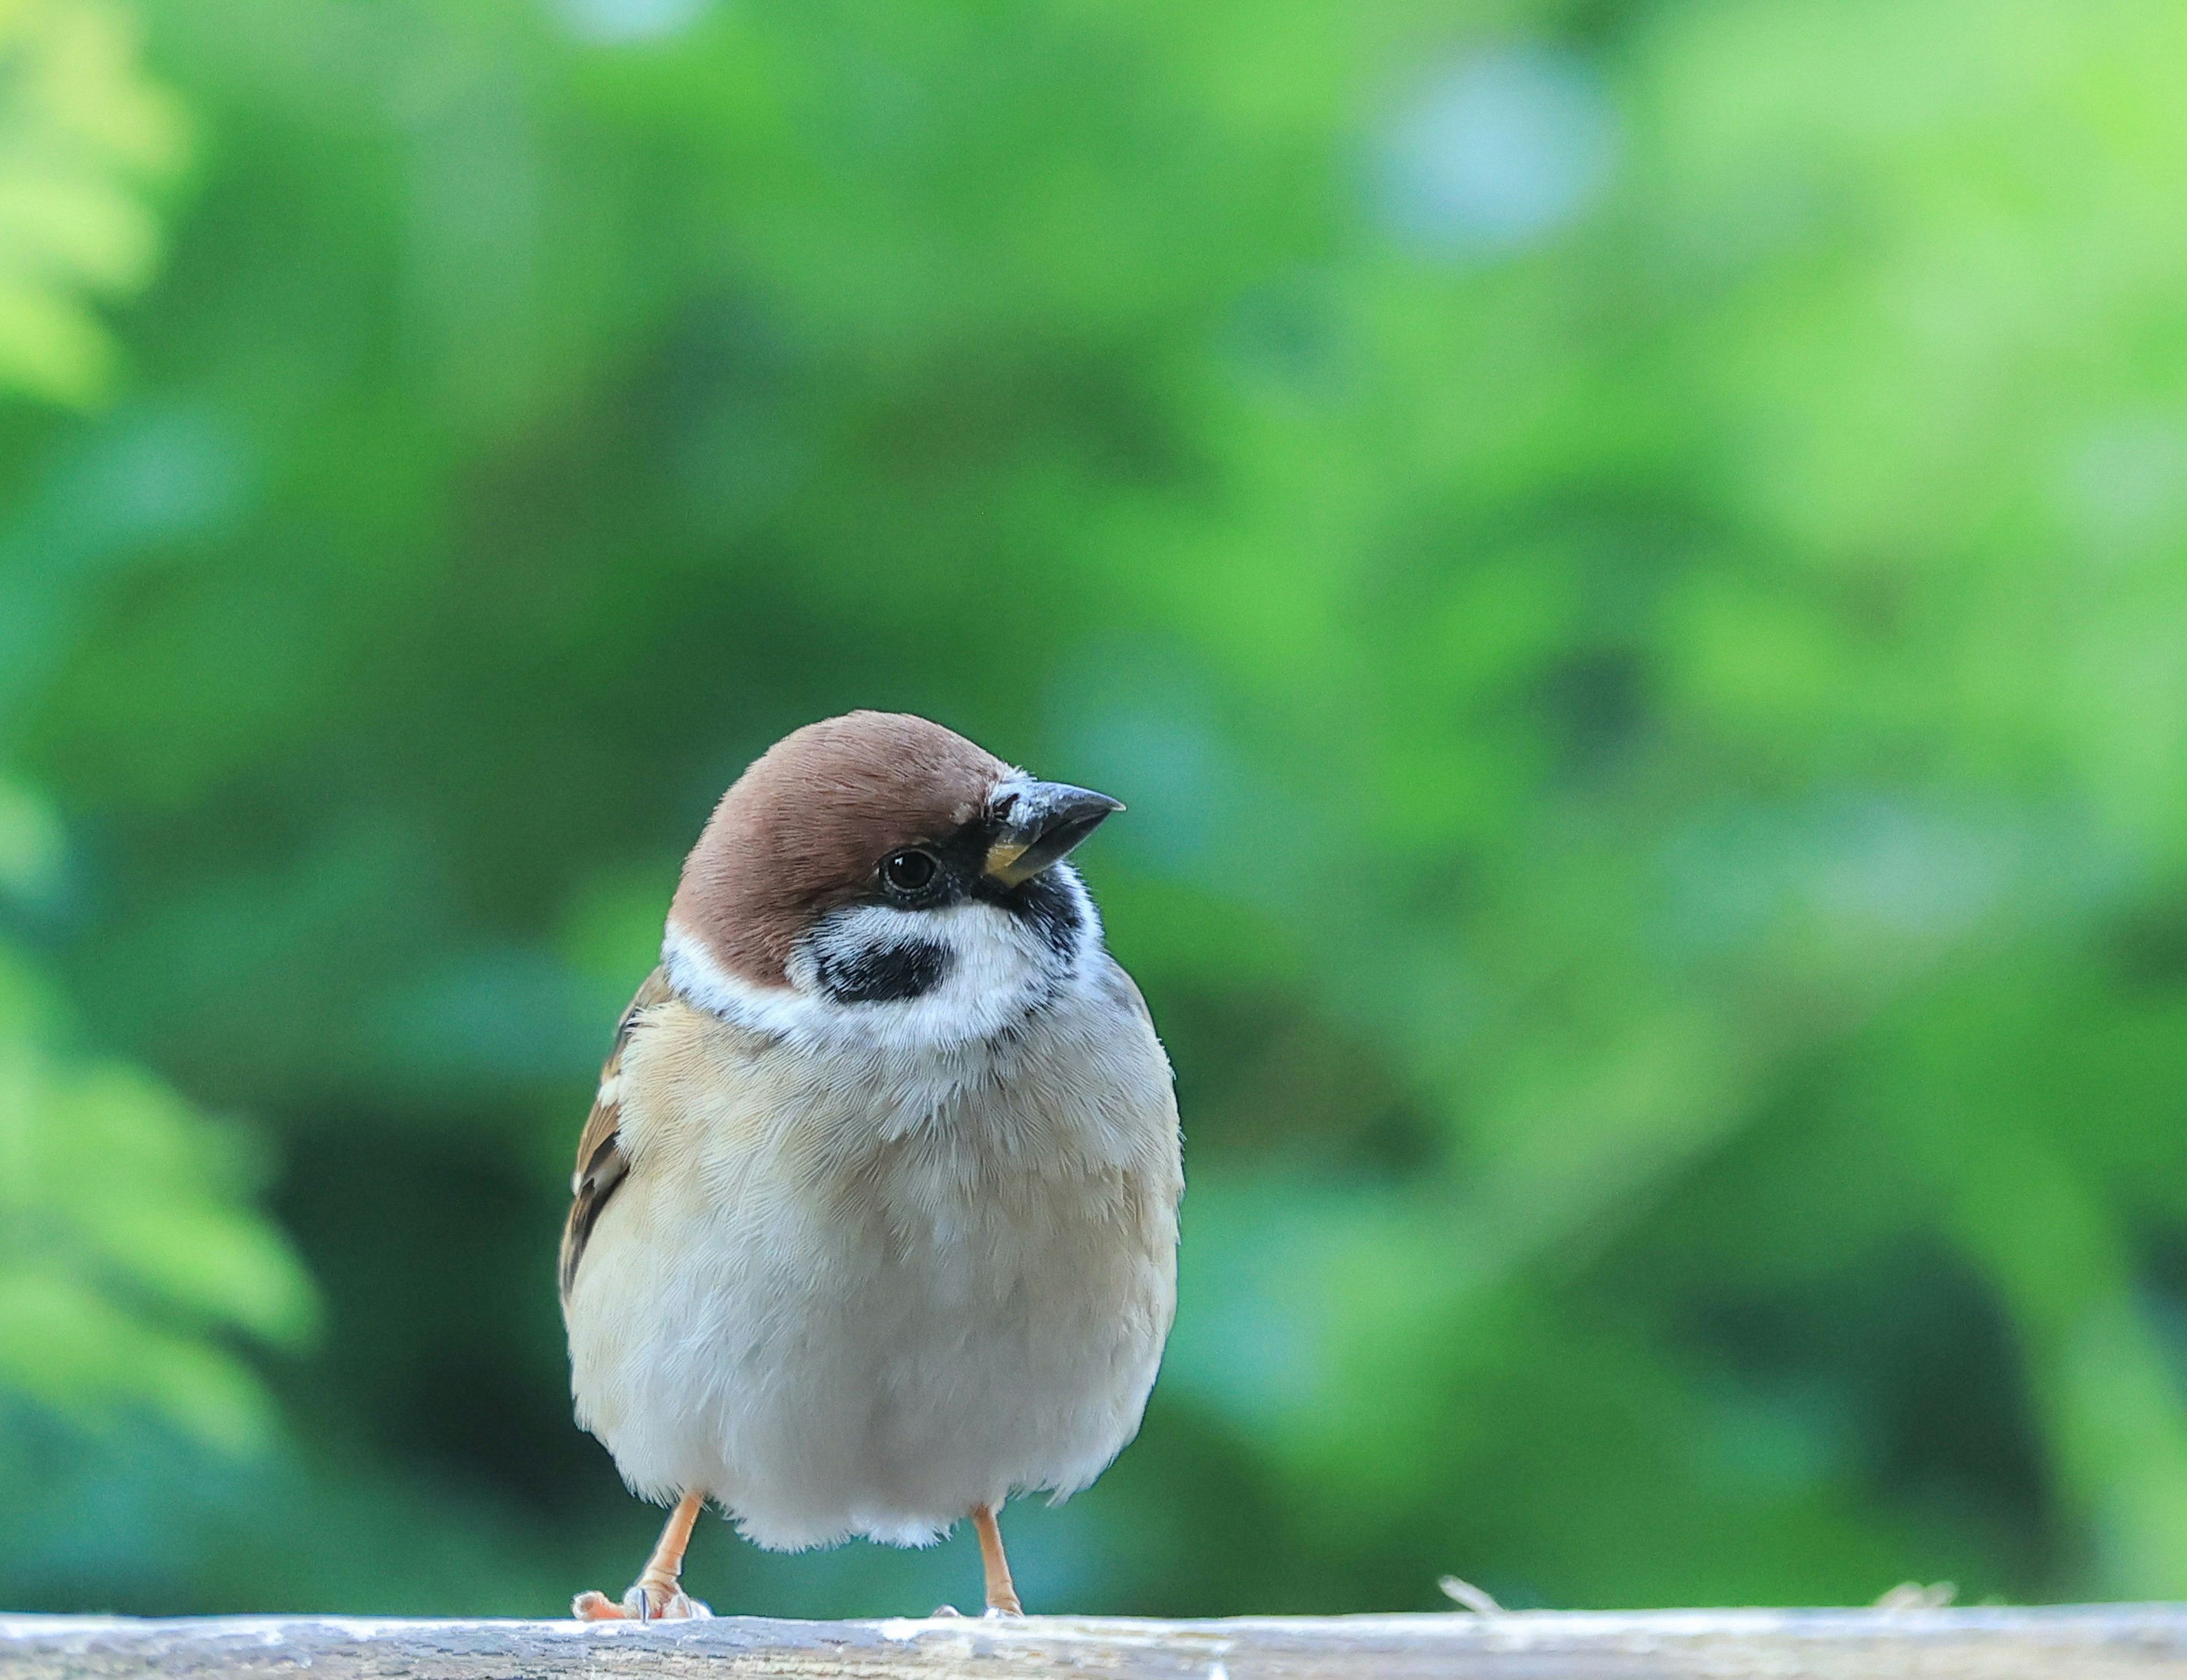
{"type": "Point", "coordinates": [908, 871]}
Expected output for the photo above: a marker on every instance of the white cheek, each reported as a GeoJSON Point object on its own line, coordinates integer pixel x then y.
{"type": "Point", "coordinates": [997, 967]}
{"type": "Point", "coordinates": [994, 967]}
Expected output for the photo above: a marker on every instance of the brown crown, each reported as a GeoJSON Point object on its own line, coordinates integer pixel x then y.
{"type": "Point", "coordinates": [804, 828]}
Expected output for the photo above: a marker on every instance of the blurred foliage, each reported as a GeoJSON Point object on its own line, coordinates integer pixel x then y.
{"type": "Point", "coordinates": [1627, 558]}
{"type": "Point", "coordinates": [81, 134]}
{"type": "Point", "coordinates": [124, 1241]}
{"type": "Point", "coordinates": [131, 1254]}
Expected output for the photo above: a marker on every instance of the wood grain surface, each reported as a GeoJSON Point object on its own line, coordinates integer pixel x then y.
{"type": "Point", "coordinates": [2058, 1644]}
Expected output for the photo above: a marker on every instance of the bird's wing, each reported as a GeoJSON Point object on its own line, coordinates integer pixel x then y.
{"type": "Point", "coordinates": [601, 1163]}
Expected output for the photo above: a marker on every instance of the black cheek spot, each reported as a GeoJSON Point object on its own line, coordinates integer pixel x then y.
{"type": "Point", "coordinates": [885, 974]}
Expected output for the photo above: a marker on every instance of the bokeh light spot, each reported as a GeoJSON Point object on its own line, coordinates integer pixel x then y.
{"type": "Point", "coordinates": [614, 22]}
{"type": "Point", "coordinates": [1505, 149]}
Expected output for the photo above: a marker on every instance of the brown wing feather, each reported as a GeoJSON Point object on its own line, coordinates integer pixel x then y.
{"type": "Point", "coordinates": [600, 1161]}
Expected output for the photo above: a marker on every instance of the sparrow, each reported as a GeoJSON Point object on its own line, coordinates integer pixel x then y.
{"type": "Point", "coordinates": [875, 1218]}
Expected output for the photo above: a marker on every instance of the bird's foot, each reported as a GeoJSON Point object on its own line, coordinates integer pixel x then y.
{"type": "Point", "coordinates": [647, 1601]}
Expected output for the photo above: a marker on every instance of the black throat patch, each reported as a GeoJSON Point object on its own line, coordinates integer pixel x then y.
{"type": "Point", "coordinates": [1047, 904]}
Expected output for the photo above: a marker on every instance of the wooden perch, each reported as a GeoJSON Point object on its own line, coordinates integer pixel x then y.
{"type": "Point", "coordinates": [2076, 1643]}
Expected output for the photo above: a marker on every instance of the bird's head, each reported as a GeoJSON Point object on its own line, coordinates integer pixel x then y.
{"type": "Point", "coordinates": [878, 877]}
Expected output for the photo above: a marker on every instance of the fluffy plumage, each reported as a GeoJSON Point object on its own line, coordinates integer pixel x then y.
{"type": "Point", "coordinates": [874, 1216]}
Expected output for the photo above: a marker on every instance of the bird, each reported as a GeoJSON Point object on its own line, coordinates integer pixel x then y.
{"type": "Point", "coordinates": [875, 1218]}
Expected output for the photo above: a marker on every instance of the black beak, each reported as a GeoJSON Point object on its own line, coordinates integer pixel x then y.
{"type": "Point", "coordinates": [1036, 824]}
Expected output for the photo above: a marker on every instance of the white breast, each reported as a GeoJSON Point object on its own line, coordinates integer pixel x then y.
{"type": "Point", "coordinates": [859, 1292]}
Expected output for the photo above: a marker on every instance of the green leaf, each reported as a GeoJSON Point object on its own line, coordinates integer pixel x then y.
{"type": "Point", "coordinates": [84, 139]}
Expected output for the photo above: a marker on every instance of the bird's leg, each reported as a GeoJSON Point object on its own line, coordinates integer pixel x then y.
{"type": "Point", "coordinates": [1001, 1596]}
{"type": "Point", "coordinates": [656, 1591]}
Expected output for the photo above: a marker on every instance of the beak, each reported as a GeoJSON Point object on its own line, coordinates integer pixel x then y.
{"type": "Point", "coordinates": [1036, 824]}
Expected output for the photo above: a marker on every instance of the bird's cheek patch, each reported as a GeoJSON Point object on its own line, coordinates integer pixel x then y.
{"type": "Point", "coordinates": [881, 974]}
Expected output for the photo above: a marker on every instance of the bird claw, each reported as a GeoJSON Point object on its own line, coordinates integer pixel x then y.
{"type": "Point", "coordinates": [640, 1604]}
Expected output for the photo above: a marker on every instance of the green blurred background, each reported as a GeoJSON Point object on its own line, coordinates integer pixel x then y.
{"type": "Point", "coordinates": [1629, 557]}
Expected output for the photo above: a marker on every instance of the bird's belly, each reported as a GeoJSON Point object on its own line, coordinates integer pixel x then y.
{"type": "Point", "coordinates": [879, 1356]}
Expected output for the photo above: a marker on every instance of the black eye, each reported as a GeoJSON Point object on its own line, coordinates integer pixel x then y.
{"type": "Point", "coordinates": [908, 871]}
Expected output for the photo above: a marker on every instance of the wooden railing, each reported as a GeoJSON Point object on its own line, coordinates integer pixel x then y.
{"type": "Point", "coordinates": [2074, 1642]}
